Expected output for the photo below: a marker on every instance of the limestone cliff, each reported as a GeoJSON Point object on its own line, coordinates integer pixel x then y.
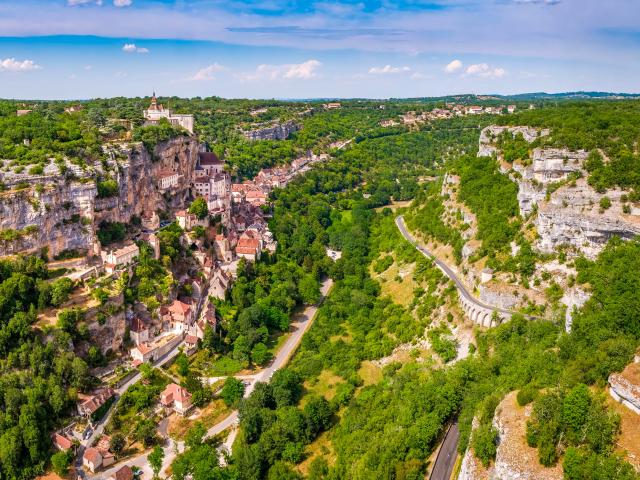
{"type": "Point", "coordinates": [280, 131]}
{"type": "Point", "coordinates": [488, 136]}
{"type": "Point", "coordinates": [137, 180]}
{"type": "Point", "coordinates": [515, 460]}
{"type": "Point", "coordinates": [573, 217]}
{"type": "Point", "coordinates": [553, 182]}
{"type": "Point", "coordinates": [60, 210]}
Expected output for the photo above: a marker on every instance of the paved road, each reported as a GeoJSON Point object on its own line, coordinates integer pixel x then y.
{"type": "Point", "coordinates": [448, 271]}
{"type": "Point", "coordinates": [446, 459]}
{"type": "Point", "coordinates": [301, 324]}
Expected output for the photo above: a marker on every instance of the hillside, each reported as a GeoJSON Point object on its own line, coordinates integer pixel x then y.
{"type": "Point", "coordinates": [531, 212]}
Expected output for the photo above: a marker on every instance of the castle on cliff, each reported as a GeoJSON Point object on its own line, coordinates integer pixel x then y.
{"type": "Point", "coordinates": [156, 111]}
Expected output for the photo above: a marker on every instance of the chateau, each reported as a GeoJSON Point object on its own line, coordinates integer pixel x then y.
{"type": "Point", "coordinates": [157, 111]}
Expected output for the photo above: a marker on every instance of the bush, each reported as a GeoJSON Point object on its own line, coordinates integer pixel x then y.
{"type": "Point", "coordinates": [526, 395]}
{"type": "Point", "coordinates": [605, 203]}
{"type": "Point", "coordinates": [60, 462]}
{"type": "Point", "coordinates": [107, 188]}
{"type": "Point", "coordinates": [484, 443]}
{"type": "Point", "coordinates": [111, 232]}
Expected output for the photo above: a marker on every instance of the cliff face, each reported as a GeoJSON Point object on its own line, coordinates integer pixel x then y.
{"type": "Point", "coordinates": [515, 460]}
{"type": "Point", "coordinates": [573, 217]}
{"type": "Point", "coordinates": [58, 218]}
{"type": "Point", "coordinates": [280, 131]}
{"type": "Point", "coordinates": [488, 135]}
{"type": "Point", "coordinates": [568, 212]}
{"type": "Point", "coordinates": [62, 212]}
{"type": "Point", "coordinates": [137, 180]}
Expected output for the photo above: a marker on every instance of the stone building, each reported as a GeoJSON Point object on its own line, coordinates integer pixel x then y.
{"type": "Point", "coordinates": [156, 112]}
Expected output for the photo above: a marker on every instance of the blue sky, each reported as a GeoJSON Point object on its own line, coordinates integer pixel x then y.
{"type": "Point", "coordinates": [301, 49]}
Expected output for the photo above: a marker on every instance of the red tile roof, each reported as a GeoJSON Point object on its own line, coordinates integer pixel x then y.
{"type": "Point", "coordinates": [92, 455]}
{"type": "Point", "coordinates": [97, 400]}
{"type": "Point", "coordinates": [124, 473]}
{"type": "Point", "coordinates": [175, 393]}
{"type": "Point", "coordinates": [209, 158]}
{"type": "Point", "coordinates": [248, 242]}
{"type": "Point", "coordinates": [62, 442]}
{"type": "Point", "coordinates": [178, 307]}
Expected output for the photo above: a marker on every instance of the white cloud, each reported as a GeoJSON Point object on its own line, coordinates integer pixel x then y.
{"type": "Point", "coordinates": [132, 48]}
{"type": "Point", "coordinates": [13, 65]}
{"type": "Point", "coordinates": [122, 3]}
{"type": "Point", "coordinates": [120, 74]}
{"type": "Point", "coordinates": [453, 67]}
{"type": "Point", "coordinates": [305, 71]}
{"type": "Point", "coordinates": [208, 73]}
{"type": "Point", "coordinates": [302, 70]}
{"type": "Point", "coordinates": [387, 69]}
{"type": "Point", "coordinates": [485, 71]}
{"type": "Point", "coordinates": [88, 67]}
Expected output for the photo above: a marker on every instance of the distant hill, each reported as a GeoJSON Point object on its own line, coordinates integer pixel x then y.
{"type": "Point", "coordinates": [569, 96]}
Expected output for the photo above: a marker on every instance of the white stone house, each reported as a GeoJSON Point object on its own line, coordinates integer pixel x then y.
{"type": "Point", "coordinates": [156, 112]}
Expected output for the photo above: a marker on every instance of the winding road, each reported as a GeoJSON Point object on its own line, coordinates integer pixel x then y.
{"type": "Point", "coordinates": [449, 272]}
{"type": "Point", "coordinates": [301, 323]}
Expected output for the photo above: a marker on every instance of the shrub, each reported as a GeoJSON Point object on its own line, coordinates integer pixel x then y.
{"type": "Point", "coordinates": [526, 395]}
{"type": "Point", "coordinates": [484, 443]}
{"type": "Point", "coordinates": [605, 203]}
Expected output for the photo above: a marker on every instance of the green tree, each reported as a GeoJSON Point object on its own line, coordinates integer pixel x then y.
{"type": "Point", "coordinates": [309, 290]}
{"type": "Point", "coordinates": [241, 349]}
{"type": "Point", "coordinates": [199, 208]}
{"type": "Point", "coordinates": [182, 364]}
{"type": "Point", "coordinates": [60, 462]}
{"type": "Point", "coordinates": [318, 414]}
{"type": "Point", "coordinates": [260, 354]}
{"type": "Point", "coordinates": [60, 290]}
{"type": "Point", "coordinates": [117, 443]}
{"type": "Point", "coordinates": [155, 460]}
{"type": "Point", "coordinates": [232, 391]}
{"type": "Point", "coordinates": [484, 443]}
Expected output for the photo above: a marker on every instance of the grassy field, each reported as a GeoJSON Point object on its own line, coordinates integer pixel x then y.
{"type": "Point", "coordinates": [213, 413]}
{"type": "Point", "coordinates": [370, 373]}
{"type": "Point", "coordinates": [397, 282]}
{"type": "Point", "coordinates": [324, 385]}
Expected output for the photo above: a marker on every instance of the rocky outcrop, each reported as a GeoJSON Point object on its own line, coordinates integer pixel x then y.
{"type": "Point", "coordinates": [499, 297]}
{"type": "Point", "coordinates": [625, 386]}
{"type": "Point", "coordinates": [555, 164]}
{"type": "Point", "coordinates": [488, 136]}
{"type": "Point", "coordinates": [573, 217]}
{"type": "Point", "coordinates": [137, 176]}
{"type": "Point", "coordinates": [60, 211]}
{"type": "Point", "coordinates": [573, 298]}
{"type": "Point", "coordinates": [107, 324]}
{"type": "Point", "coordinates": [280, 131]}
{"type": "Point", "coordinates": [549, 165]}
{"type": "Point", "coordinates": [471, 468]}
{"type": "Point", "coordinates": [568, 209]}
{"type": "Point", "coordinates": [515, 460]}
{"type": "Point", "coordinates": [57, 217]}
